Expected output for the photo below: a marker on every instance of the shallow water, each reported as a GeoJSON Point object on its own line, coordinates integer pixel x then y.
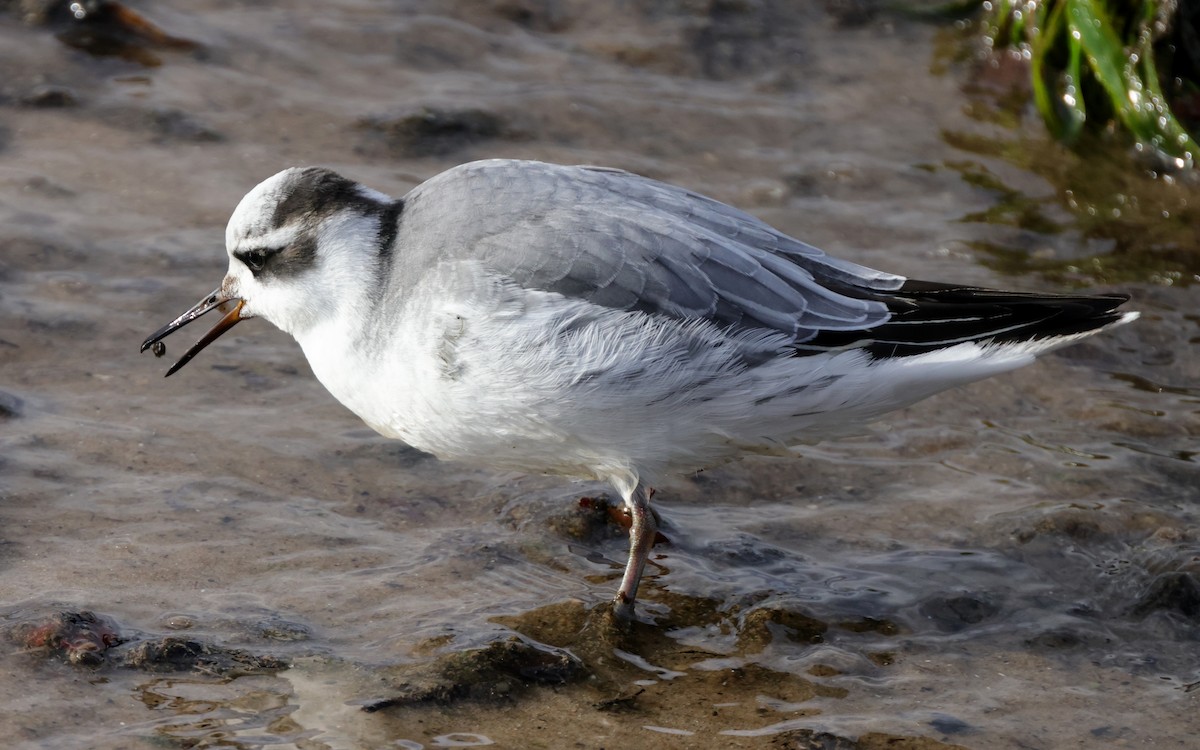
{"type": "Point", "coordinates": [1013, 564]}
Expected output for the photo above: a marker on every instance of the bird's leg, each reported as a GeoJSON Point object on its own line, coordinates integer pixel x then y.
{"type": "Point", "coordinates": [642, 532]}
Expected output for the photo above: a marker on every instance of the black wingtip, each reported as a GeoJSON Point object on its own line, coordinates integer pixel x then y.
{"type": "Point", "coordinates": [929, 315]}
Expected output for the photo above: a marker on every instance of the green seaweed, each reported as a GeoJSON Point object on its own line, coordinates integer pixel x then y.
{"type": "Point", "coordinates": [1090, 66]}
{"type": "Point", "coordinates": [1109, 213]}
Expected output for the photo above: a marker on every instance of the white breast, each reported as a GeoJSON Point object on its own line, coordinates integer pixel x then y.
{"type": "Point", "coordinates": [487, 372]}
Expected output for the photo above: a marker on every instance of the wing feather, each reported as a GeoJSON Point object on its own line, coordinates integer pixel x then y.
{"type": "Point", "coordinates": [631, 243]}
{"type": "Point", "coordinates": [628, 242]}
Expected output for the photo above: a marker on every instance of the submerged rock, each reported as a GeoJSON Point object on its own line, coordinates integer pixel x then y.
{"type": "Point", "coordinates": [496, 672]}
{"type": "Point", "coordinates": [1172, 592]}
{"type": "Point", "coordinates": [433, 131]}
{"type": "Point", "coordinates": [172, 654]}
{"type": "Point", "coordinates": [87, 639]}
{"type": "Point", "coordinates": [164, 124]}
{"type": "Point", "coordinates": [954, 613]}
{"type": "Point", "coordinates": [48, 96]}
{"type": "Point", "coordinates": [79, 637]}
{"type": "Point", "coordinates": [808, 739]}
{"type": "Point", "coordinates": [763, 624]}
{"type": "Point", "coordinates": [10, 406]}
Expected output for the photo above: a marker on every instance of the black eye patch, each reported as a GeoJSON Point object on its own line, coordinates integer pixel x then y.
{"type": "Point", "coordinates": [257, 258]}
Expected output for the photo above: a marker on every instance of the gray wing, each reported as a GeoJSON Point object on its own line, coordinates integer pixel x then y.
{"type": "Point", "coordinates": [632, 243]}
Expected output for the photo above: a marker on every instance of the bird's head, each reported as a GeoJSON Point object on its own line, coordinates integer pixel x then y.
{"type": "Point", "coordinates": [302, 244]}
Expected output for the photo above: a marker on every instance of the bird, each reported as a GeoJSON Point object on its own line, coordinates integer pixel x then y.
{"type": "Point", "coordinates": [589, 322]}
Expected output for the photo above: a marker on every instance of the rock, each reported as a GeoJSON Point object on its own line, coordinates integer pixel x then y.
{"type": "Point", "coordinates": [433, 131]}
{"type": "Point", "coordinates": [172, 654]}
{"type": "Point", "coordinates": [87, 639]}
{"type": "Point", "coordinates": [48, 96]}
{"type": "Point", "coordinates": [760, 625]}
{"type": "Point", "coordinates": [954, 613]}
{"type": "Point", "coordinates": [1173, 592]}
{"type": "Point", "coordinates": [493, 673]}
{"type": "Point", "coordinates": [809, 739]}
{"type": "Point", "coordinates": [539, 15]}
{"type": "Point", "coordinates": [10, 406]}
{"type": "Point", "coordinates": [82, 638]}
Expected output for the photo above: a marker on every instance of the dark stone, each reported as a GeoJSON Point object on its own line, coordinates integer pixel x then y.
{"type": "Point", "coordinates": [82, 638]}
{"type": "Point", "coordinates": [175, 125]}
{"type": "Point", "coordinates": [947, 724]}
{"type": "Point", "coordinates": [39, 185]}
{"type": "Point", "coordinates": [741, 37]}
{"type": "Point", "coordinates": [809, 739]}
{"type": "Point", "coordinates": [802, 184]}
{"type": "Point", "coordinates": [745, 551]}
{"type": "Point", "coordinates": [493, 673]}
{"type": "Point", "coordinates": [90, 640]}
{"type": "Point", "coordinates": [870, 625]}
{"type": "Point", "coordinates": [538, 15]}
{"type": "Point", "coordinates": [852, 13]}
{"type": "Point", "coordinates": [434, 131]}
{"type": "Point", "coordinates": [10, 406]}
{"type": "Point", "coordinates": [172, 654]}
{"type": "Point", "coordinates": [954, 613]}
{"type": "Point", "coordinates": [48, 97]}
{"type": "Point", "coordinates": [1173, 592]}
{"type": "Point", "coordinates": [166, 125]}
{"type": "Point", "coordinates": [276, 629]}
{"type": "Point", "coordinates": [1058, 638]}
{"type": "Point", "coordinates": [760, 625]}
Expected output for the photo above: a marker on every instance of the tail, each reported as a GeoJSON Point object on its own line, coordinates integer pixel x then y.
{"type": "Point", "coordinates": [929, 316]}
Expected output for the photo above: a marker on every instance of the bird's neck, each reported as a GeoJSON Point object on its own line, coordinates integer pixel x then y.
{"type": "Point", "coordinates": [336, 356]}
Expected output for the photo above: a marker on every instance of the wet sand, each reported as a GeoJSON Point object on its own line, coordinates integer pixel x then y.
{"type": "Point", "coordinates": [1009, 565]}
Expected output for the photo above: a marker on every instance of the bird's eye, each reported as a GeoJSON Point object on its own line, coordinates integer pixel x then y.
{"type": "Point", "coordinates": [255, 260]}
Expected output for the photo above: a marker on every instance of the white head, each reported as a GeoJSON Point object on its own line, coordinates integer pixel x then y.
{"type": "Point", "coordinates": [304, 243]}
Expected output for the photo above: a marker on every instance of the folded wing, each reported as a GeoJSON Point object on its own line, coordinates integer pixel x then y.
{"type": "Point", "coordinates": [631, 243]}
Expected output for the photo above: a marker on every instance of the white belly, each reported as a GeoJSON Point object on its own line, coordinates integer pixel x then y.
{"type": "Point", "coordinates": [536, 382]}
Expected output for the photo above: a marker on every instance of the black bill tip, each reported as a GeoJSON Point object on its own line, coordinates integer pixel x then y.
{"type": "Point", "coordinates": [214, 301]}
{"type": "Point", "coordinates": [224, 324]}
{"type": "Point", "coordinates": [209, 303]}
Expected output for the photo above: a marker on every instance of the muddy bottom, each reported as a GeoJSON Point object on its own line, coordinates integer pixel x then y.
{"type": "Point", "coordinates": [230, 559]}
